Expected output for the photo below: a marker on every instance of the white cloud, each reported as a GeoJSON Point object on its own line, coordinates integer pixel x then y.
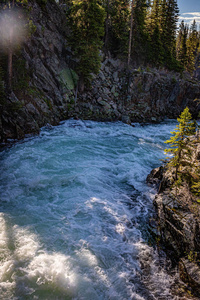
{"type": "Point", "coordinates": [189, 17]}
{"type": "Point", "coordinates": [195, 14]}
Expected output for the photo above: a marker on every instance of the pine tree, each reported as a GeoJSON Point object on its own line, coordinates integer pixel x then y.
{"type": "Point", "coordinates": [140, 36]}
{"type": "Point", "coordinates": [168, 23]}
{"type": "Point", "coordinates": [180, 145]}
{"type": "Point", "coordinates": [192, 46]}
{"type": "Point", "coordinates": [181, 44]}
{"type": "Point", "coordinates": [154, 15]}
{"type": "Point", "coordinates": [116, 26]}
{"type": "Point", "coordinates": [119, 26]}
{"type": "Point", "coordinates": [156, 51]}
{"type": "Point", "coordinates": [86, 19]}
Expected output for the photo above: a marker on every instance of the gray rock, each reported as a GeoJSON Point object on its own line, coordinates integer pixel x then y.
{"type": "Point", "coordinates": [107, 70]}
{"type": "Point", "coordinates": [106, 91]}
{"type": "Point", "coordinates": [126, 119]}
{"type": "Point", "coordinates": [115, 76]}
{"type": "Point", "coordinates": [101, 75]}
{"type": "Point", "coordinates": [190, 273]}
{"type": "Point", "coordinates": [115, 63]}
{"type": "Point", "coordinates": [179, 223]}
{"type": "Point", "coordinates": [113, 89]}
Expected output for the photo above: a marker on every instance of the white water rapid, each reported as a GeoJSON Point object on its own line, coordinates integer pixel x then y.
{"type": "Point", "coordinates": [74, 210]}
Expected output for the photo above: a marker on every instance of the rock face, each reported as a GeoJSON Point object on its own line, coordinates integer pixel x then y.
{"type": "Point", "coordinates": [45, 99]}
{"type": "Point", "coordinates": [137, 95]}
{"type": "Point", "coordinates": [178, 224]}
{"type": "Point", "coordinates": [115, 93]}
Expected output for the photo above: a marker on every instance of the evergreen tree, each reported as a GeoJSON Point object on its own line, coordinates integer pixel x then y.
{"type": "Point", "coordinates": [192, 46]}
{"type": "Point", "coordinates": [86, 19]}
{"type": "Point", "coordinates": [140, 36]}
{"type": "Point", "coordinates": [168, 23]}
{"type": "Point", "coordinates": [180, 145]}
{"type": "Point", "coordinates": [156, 51]}
{"type": "Point", "coordinates": [119, 25]}
{"type": "Point", "coordinates": [153, 15]}
{"type": "Point", "coordinates": [130, 33]}
{"type": "Point", "coordinates": [181, 47]}
{"type": "Point", "coordinates": [116, 26]}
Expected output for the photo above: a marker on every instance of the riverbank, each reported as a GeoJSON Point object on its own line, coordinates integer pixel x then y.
{"type": "Point", "coordinates": [178, 224]}
{"type": "Point", "coordinates": [115, 94]}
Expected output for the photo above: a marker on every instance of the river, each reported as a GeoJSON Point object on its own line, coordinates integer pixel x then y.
{"type": "Point", "coordinates": [74, 211]}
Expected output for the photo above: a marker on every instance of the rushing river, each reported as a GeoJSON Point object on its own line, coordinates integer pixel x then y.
{"type": "Point", "coordinates": [74, 210]}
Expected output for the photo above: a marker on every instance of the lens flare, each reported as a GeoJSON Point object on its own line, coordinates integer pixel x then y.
{"type": "Point", "coordinates": [12, 28]}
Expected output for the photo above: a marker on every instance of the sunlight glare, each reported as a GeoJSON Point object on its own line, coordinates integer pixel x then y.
{"type": "Point", "coordinates": [12, 29]}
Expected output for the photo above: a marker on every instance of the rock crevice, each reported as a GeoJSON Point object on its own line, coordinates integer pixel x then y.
{"type": "Point", "coordinates": [178, 226]}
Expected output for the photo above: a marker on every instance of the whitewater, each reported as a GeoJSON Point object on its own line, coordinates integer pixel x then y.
{"type": "Point", "coordinates": [74, 214]}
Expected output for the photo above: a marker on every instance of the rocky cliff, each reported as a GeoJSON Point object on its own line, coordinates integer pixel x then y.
{"type": "Point", "coordinates": [137, 95]}
{"type": "Point", "coordinates": [178, 223]}
{"type": "Point", "coordinates": [41, 98]}
{"type": "Point", "coordinates": [47, 93]}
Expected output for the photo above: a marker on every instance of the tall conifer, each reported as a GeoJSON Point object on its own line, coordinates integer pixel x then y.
{"type": "Point", "coordinates": [156, 48]}
{"type": "Point", "coordinates": [192, 46]}
{"type": "Point", "coordinates": [140, 36]}
{"type": "Point", "coordinates": [86, 19]}
{"type": "Point", "coordinates": [169, 19]}
{"type": "Point", "coordinates": [116, 26]}
{"type": "Point", "coordinates": [180, 145]}
{"type": "Point", "coordinates": [181, 44]}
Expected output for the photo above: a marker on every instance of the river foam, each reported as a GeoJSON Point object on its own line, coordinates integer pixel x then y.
{"type": "Point", "coordinates": [74, 214]}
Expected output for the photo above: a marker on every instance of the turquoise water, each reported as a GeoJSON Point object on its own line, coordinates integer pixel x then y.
{"type": "Point", "coordinates": [74, 209]}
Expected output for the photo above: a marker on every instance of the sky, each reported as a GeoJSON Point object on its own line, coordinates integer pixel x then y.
{"type": "Point", "coordinates": [189, 10]}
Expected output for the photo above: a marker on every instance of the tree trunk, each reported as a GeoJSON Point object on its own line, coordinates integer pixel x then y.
{"type": "Point", "coordinates": [81, 84]}
{"type": "Point", "coordinates": [130, 34]}
{"type": "Point", "coordinates": [107, 27]}
{"type": "Point", "coordinates": [10, 56]}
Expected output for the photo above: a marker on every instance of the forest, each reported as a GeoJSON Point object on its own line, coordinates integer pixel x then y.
{"type": "Point", "coordinates": [140, 32]}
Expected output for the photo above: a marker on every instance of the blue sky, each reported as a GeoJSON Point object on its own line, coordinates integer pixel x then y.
{"type": "Point", "coordinates": [189, 10]}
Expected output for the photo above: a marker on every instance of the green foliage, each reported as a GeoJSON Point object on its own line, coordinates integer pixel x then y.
{"type": "Point", "coordinates": [180, 145]}
{"type": "Point", "coordinates": [196, 185]}
{"type": "Point", "coordinates": [156, 52]}
{"type": "Point", "coordinates": [187, 46]}
{"type": "Point", "coordinates": [117, 26]}
{"type": "Point", "coordinates": [153, 32]}
{"type": "Point", "coordinates": [173, 80]}
{"type": "Point", "coordinates": [15, 106]}
{"type": "Point", "coordinates": [161, 23]}
{"type": "Point", "coordinates": [86, 20]}
{"type": "Point", "coordinates": [192, 46]}
{"type": "Point", "coordinates": [31, 27]}
{"type": "Point", "coordinates": [173, 64]}
{"type": "Point", "coordinates": [42, 3]}
{"type": "Point", "coordinates": [181, 46]}
{"type": "Point", "coordinates": [140, 34]}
